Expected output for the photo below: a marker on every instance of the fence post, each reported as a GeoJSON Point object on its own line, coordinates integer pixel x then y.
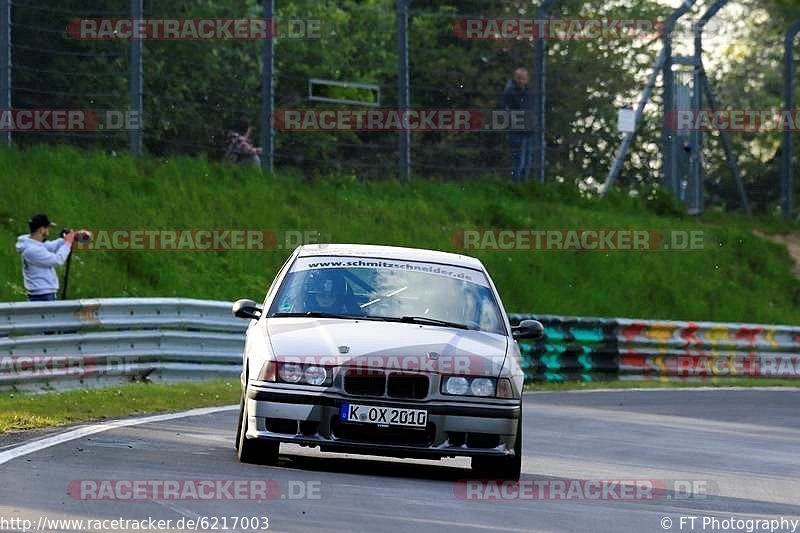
{"type": "Point", "coordinates": [697, 178]}
{"type": "Point", "coordinates": [669, 134]}
{"type": "Point", "coordinates": [268, 88]}
{"type": "Point", "coordinates": [5, 63]}
{"type": "Point", "coordinates": [787, 173]}
{"type": "Point", "coordinates": [137, 81]}
{"type": "Point", "coordinates": [696, 197]}
{"type": "Point", "coordinates": [539, 97]}
{"type": "Point", "coordinates": [403, 90]}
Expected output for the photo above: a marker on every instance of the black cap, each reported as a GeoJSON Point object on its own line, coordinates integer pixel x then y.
{"type": "Point", "coordinates": [39, 221]}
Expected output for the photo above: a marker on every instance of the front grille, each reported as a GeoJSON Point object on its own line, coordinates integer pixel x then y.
{"type": "Point", "coordinates": [365, 383]}
{"type": "Point", "coordinates": [411, 386]}
{"type": "Point", "coordinates": [371, 434]}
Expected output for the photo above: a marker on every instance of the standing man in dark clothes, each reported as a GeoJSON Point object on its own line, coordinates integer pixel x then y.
{"type": "Point", "coordinates": [517, 97]}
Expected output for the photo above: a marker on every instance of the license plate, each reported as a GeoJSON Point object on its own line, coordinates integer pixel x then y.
{"type": "Point", "coordinates": [384, 416]}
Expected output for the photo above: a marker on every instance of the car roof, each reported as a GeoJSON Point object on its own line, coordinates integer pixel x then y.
{"type": "Point", "coordinates": [389, 252]}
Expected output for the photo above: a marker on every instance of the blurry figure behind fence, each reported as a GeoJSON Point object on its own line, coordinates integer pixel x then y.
{"type": "Point", "coordinates": [238, 146]}
{"type": "Point", "coordinates": [517, 97]}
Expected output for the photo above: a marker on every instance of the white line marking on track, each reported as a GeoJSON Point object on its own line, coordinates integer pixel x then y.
{"type": "Point", "coordinates": [54, 440]}
{"type": "Point", "coordinates": [180, 510]}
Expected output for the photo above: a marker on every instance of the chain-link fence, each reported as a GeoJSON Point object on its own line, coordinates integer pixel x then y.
{"type": "Point", "coordinates": [323, 85]}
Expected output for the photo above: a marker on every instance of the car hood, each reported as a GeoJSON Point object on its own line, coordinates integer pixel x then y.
{"type": "Point", "coordinates": [387, 345]}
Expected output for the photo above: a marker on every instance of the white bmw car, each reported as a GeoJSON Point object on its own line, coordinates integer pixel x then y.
{"type": "Point", "coordinates": [384, 351]}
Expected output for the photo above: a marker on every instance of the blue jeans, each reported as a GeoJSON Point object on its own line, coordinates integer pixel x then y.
{"type": "Point", "coordinates": [49, 297]}
{"type": "Point", "coordinates": [521, 144]}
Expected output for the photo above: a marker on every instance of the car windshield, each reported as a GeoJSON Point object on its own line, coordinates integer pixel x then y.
{"type": "Point", "coordinates": [409, 291]}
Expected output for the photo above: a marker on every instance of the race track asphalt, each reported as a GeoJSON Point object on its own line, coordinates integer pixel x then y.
{"type": "Point", "coordinates": [710, 454]}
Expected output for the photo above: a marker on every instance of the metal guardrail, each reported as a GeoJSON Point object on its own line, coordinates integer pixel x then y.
{"type": "Point", "coordinates": [114, 313]}
{"type": "Point", "coordinates": [592, 349]}
{"type": "Point", "coordinates": [93, 341]}
{"type": "Point", "coordinates": [87, 341]}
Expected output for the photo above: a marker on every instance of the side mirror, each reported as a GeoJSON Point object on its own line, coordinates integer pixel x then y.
{"type": "Point", "coordinates": [528, 329]}
{"type": "Point", "coordinates": [247, 309]}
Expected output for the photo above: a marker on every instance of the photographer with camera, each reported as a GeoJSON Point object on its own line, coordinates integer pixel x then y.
{"type": "Point", "coordinates": [40, 257]}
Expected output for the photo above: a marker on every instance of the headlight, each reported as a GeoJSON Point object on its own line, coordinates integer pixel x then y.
{"type": "Point", "coordinates": [303, 374]}
{"type": "Point", "coordinates": [315, 375]}
{"type": "Point", "coordinates": [471, 386]}
{"type": "Point", "coordinates": [456, 385]}
{"type": "Point", "coordinates": [482, 387]}
{"type": "Point", "coordinates": [290, 372]}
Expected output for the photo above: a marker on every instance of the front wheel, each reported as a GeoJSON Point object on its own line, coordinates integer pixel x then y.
{"type": "Point", "coordinates": [254, 451]}
{"type": "Point", "coordinates": [507, 468]}
{"type": "Point", "coordinates": [239, 423]}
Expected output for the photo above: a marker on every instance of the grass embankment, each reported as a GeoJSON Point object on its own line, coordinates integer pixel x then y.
{"type": "Point", "coordinates": [20, 411]}
{"type": "Point", "coordinates": [736, 277]}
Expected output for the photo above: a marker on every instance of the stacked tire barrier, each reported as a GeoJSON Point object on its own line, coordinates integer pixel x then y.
{"type": "Point", "coordinates": [572, 349]}
{"type": "Point", "coordinates": [591, 349]}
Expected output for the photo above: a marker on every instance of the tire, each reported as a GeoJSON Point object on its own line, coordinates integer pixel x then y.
{"type": "Point", "coordinates": [239, 423]}
{"type": "Point", "coordinates": [505, 468]}
{"type": "Point", "coordinates": [255, 451]}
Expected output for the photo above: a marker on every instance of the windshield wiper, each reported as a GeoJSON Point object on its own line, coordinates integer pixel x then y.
{"type": "Point", "coordinates": [312, 314]}
{"type": "Point", "coordinates": [406, 319]}
{"type": "Point", "coordinates": [422, 320]}
{"type": "Point", "coordinates": [320, 314]}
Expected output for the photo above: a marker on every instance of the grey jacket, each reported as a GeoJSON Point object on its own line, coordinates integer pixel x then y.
{"type": "Point", "coordinates": [39, 260]}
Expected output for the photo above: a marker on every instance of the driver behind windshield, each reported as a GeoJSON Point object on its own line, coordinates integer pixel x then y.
{"type": "Point", "coordinates": [327, 292]}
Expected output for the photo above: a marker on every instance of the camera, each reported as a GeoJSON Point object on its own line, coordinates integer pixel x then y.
{"type": "Point", "coordinates": [80, 235]}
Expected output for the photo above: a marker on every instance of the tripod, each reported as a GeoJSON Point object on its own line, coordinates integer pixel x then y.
{"type": "Point", "coordinates": [66, 277]}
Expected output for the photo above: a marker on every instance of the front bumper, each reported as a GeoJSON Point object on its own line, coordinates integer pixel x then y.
{"type": "Point", "coordinates": [485, 427]}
